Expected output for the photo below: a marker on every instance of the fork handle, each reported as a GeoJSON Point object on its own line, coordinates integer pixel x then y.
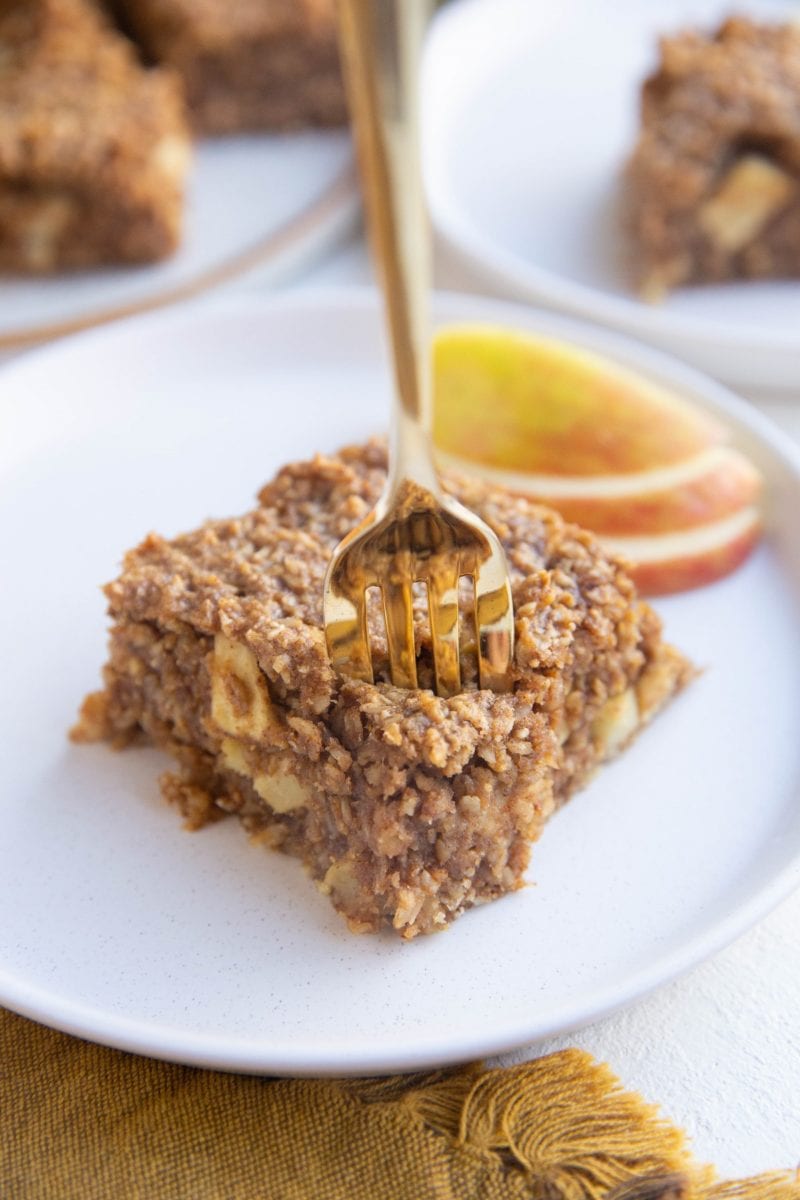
{"type": "Point", "coordinates": [381, 42]}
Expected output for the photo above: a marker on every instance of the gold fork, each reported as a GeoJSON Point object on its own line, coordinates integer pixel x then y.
{"type": "Point", "coordinates": [415, 533]}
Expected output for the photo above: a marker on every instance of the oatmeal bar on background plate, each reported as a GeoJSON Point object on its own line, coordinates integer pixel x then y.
{"type": "Point", "coordinates": [94, 147]}
{"type": "Point", "coordinates": [713, 186]}
{"type": "Point", "coordinates": [255, 64]}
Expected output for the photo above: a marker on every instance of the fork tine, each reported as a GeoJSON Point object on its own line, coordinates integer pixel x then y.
{"type": "Point", "coordinates": [443, 616]}
{"type": "Point", "coordinates": [399, 615]}
{"type": "Point", "coordinates": [345, 617]}
{"type": "Point", "coordinates": [494, 623]}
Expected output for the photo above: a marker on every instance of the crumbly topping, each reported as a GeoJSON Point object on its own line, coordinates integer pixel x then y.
{"type": "Point", "coordinates": [260, 577]}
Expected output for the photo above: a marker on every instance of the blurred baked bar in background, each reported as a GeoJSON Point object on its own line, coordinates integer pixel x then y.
{"type": "Point", "coordinates": [249, 65]}
{"type": "Point", "coordinates": [94, 147]}
{"type": "Point", "coordinates": [712, 191]}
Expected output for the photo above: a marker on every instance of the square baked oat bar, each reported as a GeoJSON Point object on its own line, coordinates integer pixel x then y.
{"type": "Point", "coordinates": [405, 808]}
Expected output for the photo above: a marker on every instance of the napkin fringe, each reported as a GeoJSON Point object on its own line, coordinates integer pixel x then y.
{"type": "Point", "coordinates": [83, 1122]}
{"type": "Point", "coordinates": [564, 1120]}
{"type": "Point", "coordinates": [566, 1123]}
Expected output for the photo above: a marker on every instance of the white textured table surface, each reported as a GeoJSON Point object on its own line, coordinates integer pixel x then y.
{"type": "Point", "coordinates": [719, 1049]}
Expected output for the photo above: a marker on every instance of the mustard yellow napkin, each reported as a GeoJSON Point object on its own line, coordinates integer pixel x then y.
{"type": "Point", "coordinates": [81, 1122]}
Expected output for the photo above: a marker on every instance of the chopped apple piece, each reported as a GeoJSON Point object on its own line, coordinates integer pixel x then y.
{"type": "Point", "coordinates": [617, 722]}
{"type": "Point", "coordinates": [282, 791]}
{"type": "Point", "coordinates": [752, 192]}
{"type": "Point", "coordinates": [240, 703]}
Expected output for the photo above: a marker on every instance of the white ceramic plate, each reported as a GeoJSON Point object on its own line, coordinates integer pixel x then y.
{"type": "Point", "coordinates": [258, 207]}
{"type": "Point", "coordinates": [119, 925]}
{"type": "Point", "coordinates": [531, 110]}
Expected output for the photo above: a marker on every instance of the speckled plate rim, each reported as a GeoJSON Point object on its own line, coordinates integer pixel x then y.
{"type": "Point", "coordinates": [162, 1041]}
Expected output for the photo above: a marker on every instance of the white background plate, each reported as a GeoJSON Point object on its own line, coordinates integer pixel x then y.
{"type": "Point", "coordinates": [259, 206]}
{"type": "Point", "coordinates": [531, 110]}
{"type": "Point", "coordinates": [119, 925]}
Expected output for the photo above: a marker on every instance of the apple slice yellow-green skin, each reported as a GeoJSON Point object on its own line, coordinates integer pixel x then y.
{"type": "Point", "coordinates": [605, 447]}
{"type": "Point", "coordinates": [526, 403]}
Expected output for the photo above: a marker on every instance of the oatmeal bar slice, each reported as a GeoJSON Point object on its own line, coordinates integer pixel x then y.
{"type": "Point", "coordinates": [94, 148]}
{"type": "Point", "coordinates": [713, 186]}
{"type": "Point", "coordinates": [255, 64]}
{"type": "Point", "coordinates": [406, 808]}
